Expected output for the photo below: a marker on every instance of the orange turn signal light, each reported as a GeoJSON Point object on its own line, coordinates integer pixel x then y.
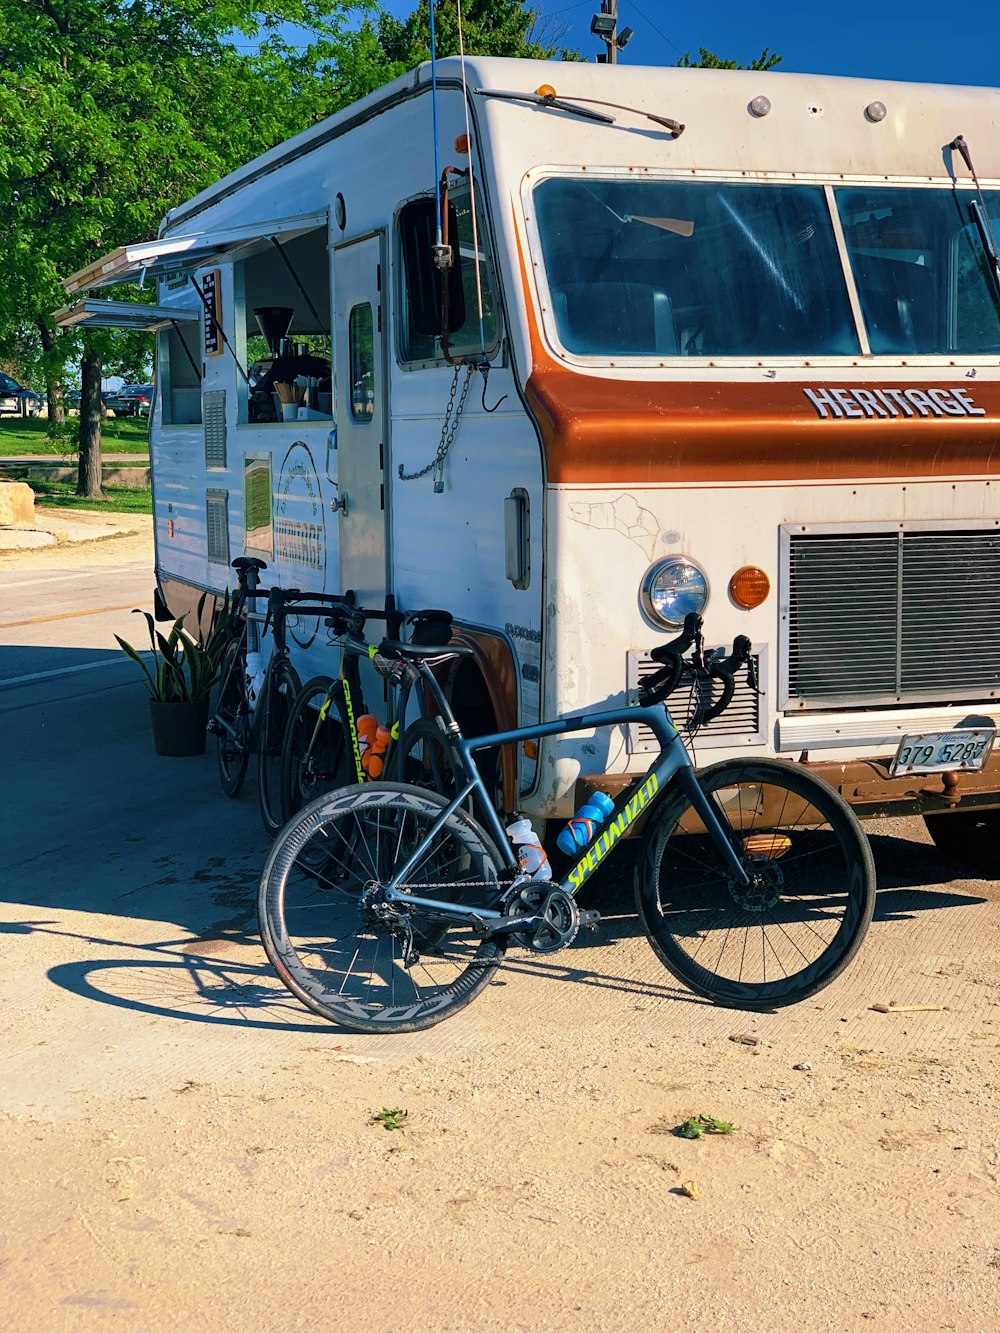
{"type": "Point", "coordinates": [462, 143]}
{"type": "Point", "coordinates": [749, 587]}
{"type": "Point", "coordinates": [530, 750]}
{"type": "Point", "coordinates": [546, 90]}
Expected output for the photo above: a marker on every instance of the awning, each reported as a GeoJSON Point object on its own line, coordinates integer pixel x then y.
{"type": "Point", "coordinates": [184, 254]}
{"type": "Point", "coordinates": [99, 314]}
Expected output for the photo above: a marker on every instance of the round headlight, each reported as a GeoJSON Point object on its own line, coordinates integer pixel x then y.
{"type": "Point", "coordinates": [672, 589]}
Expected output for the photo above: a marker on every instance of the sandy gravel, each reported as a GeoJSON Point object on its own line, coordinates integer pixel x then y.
{"type": "Point", "coordinates": [183, 1147]}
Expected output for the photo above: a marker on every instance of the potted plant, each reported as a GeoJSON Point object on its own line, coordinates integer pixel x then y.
{"type": "Point", "coordinates": [180, 677]}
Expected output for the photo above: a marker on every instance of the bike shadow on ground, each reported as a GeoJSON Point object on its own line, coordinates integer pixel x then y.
{"type": "Point", "coordinates": [180, 978]}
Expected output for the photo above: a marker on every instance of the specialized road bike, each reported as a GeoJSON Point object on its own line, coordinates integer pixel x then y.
{"type": "Point", "coordinates": [387, 907]}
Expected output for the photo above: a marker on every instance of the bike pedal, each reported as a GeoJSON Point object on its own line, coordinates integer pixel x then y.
{"type": "Point", "coordinates": [590, 920]}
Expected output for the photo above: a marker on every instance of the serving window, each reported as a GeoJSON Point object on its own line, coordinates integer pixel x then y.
{"type": "Point", "coordinates": [179, 356]}
{"type": "Point", "coordinates": [283, 313]}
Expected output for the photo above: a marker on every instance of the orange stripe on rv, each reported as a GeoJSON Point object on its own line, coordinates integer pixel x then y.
{"type": "Point", "coordinates": [609, 431]}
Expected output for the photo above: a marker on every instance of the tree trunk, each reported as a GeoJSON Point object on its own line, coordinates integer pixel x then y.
{"type": "Point", "coordinates": [53, 384]}
{"type": "Point", "coordinates": [88, 480]}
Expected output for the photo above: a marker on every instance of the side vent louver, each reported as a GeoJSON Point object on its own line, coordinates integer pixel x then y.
{"type": "Point", "coordinates": [213, 413]}
{"type": "Point", "coordinates": [217, 526]}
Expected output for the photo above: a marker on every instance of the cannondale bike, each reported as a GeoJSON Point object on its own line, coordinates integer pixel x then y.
{"type": "Point", "coordinates": [387, 907]}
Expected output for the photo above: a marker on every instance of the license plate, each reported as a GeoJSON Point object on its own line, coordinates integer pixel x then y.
{"type": "Point", "coordinates": [939, 751]}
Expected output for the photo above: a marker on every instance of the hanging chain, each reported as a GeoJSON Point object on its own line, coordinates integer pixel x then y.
{"type": "Point", "coordinates": [449, 429]}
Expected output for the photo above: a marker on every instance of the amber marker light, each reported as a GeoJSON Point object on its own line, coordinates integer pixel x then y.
{"type": "Point", "coordinates": [530, 750]}
{"type": "Point", "coordinates": [749, 587]}
{"type": "Point", "coordinates": [462, 144]}
{"type": "Point", "coordinates": [546, 90]}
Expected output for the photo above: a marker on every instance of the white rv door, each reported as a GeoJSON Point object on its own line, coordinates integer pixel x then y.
{"type": "Point", "coordinates": [362, 446]}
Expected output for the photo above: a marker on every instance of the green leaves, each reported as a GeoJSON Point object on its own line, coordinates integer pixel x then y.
{"type": "Point", "coordinates": [183, 666]}
{"type": "Point", "coordinates": [698, 1125]}
{"type": "Point", "coordinates": [390, 1119]}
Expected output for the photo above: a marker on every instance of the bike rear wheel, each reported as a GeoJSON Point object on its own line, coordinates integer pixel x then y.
{"type": "Point", "coordinates": [316, 757]}
{"type": "Point", "coordinates": [804, 915]}
{"type": "Point", "coordinates": [232, 724]}
{"type": "Point", "coordinates": [280, 690]}
{"type": "Point", "coordinates": [354, 964]}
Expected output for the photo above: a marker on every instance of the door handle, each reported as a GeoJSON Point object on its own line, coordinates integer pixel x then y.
{"type": "Point", "coordinates": [340, 503]}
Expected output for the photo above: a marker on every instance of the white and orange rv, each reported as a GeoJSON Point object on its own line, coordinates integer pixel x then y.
{"type": "Point", "coordinates": [742, 334]}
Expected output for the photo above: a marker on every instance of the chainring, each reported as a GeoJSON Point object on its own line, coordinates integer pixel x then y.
{"type": "Point", "coordinates": [561, 918]}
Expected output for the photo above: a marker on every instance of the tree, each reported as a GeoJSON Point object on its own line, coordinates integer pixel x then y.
{"type": "Point", "coordinates": [113, 110]}
{"type": "Point", "coordinates": [706, 60]}
{"type": "Point", "coordinates": [385, 47]}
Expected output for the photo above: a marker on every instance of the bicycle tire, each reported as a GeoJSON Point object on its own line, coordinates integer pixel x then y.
{"type": "Point", "coordinates": [336, 956]}
{"type": "Point", "coordinates": [813, 890]}
{"type": "Point", "coordinates": [281, 687]}
{"type": "Point", "coordinates": [233, 743]}
{"type": "Point", "coordinates": [423, 758]}
{"type": "Point", "coordinates": [316, 757]}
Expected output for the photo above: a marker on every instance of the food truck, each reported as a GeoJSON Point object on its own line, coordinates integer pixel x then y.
{"type": "Point", "coordinates": [575, 350]}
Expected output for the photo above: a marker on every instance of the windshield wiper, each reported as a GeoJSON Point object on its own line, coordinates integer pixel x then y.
{"type": "Point", "coordinates": [979, 213]}
{"type": "Point", "coordinates": [551, 99]}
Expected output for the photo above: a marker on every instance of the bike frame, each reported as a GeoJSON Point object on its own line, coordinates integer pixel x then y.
{"type": "Point", "coordinates": [672, 764]}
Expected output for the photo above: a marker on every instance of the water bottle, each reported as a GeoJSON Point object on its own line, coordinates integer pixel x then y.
{"type": "Point", "coordinates": [255, 677]}
{"type": "Point", "coordinates": [529, 851]}
{"type": "Point", "coordinates": [373, 741]}
{"type": "Point", "coordinates": [580, 829]}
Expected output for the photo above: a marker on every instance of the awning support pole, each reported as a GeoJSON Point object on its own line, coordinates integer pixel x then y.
{"type": "Point", "coordinates": [295, 278]}
{"type": "Point", "coordinates": [187, 350]}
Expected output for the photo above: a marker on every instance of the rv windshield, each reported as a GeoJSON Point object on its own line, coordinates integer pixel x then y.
{"type": "Point", "coordinates": [921, 271]}
{"type": "Point", "coordinates": [646, 268]}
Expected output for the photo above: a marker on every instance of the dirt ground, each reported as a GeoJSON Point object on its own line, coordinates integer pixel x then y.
{"type": "Point", "coordinates": [183, 1146]}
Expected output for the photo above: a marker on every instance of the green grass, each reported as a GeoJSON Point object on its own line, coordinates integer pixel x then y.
{"type": "Point", "coordinates": [119, 435]}
{"type": "Point", "coordinates": [118, 499]}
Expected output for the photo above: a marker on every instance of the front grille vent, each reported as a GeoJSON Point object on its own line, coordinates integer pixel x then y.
{"type": "Point", "coordinates": [893, 617]}
{"type": "Point", "coordinates": [741, 722]}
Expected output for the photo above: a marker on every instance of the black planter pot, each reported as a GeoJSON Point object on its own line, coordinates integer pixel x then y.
{"type": "Point", "coordinates": [179, 728]}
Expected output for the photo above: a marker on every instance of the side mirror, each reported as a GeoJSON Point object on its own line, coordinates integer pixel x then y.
{"type": "Point", "coordinates": [422, 277]}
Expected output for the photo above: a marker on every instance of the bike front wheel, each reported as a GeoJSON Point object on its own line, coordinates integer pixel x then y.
{"type": "Point", "coordinates": [338, 949]}
{"type": "Point", "coordinates": [809, 902]}
{"type": "Point", "coordinates": [280, 690]}
{"type": "Point", "coordinates": [231, 724]}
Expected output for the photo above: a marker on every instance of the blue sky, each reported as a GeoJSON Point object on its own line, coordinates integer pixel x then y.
{"type": "Point", "coordinates": [926, 41]}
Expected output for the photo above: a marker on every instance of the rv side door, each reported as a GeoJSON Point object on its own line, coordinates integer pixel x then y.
{"type": "Point", "coordinates": [362, 444]}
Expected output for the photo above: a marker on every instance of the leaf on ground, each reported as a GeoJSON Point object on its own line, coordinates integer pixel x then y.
{"type": "Point", "coordinates": [390, 1118]}
{"type": "Point", "coordinates": [696, 1125]}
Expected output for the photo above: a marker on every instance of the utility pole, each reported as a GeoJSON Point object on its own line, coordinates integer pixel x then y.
{"type": "Point", "coordinates": [605, 26]}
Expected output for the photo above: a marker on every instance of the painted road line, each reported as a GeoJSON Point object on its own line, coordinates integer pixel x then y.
{"type": "Point", "coordinates": [64, 671]}
{"type": "Point", "coordinates": [64, 615]}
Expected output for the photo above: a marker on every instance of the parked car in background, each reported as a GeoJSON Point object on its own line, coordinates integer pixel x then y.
{"type": "Point", "coordinates": [131, 400]}
{"type": "Point", "coordinates": [73, 396]}
{"type": "Point", "coordinates": [16, 400]}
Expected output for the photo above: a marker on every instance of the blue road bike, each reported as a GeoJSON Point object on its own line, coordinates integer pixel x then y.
{"type": "Point", "coordinates": [387, 907]}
